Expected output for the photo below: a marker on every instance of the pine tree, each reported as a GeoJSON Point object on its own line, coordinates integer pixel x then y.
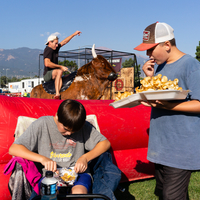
{"type": "Point", "coordinates": [198, 52]}
{"type": "Point", "coordinates": [71, 65]}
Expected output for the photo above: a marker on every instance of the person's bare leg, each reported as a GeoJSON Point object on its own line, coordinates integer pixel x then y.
{"type": "Point", "coordinates": [79, 189]}
{"type": "Point", "coordinates": [57, 76]}
{"type": "Point", "coordinates": [58, 83]}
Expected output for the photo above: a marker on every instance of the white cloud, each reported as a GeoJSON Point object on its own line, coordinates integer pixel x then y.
{"type": "Point", "coordinates": [56, 34]}
{"type": "Point", "coordinates": [44, 34]}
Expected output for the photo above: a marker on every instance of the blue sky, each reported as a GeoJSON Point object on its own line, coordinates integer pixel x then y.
{"type": "Point", "coordinates": [117, 25]}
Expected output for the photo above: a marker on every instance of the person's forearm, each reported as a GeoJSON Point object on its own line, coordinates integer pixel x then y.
{"type": "Point", "coordinates": [100, 148]}
{"type": "Point", "coordinates": [67, 39]}
{"type": "Point", "coordinates": [189, 106]}
{"type": "Point", "coordinates": [23, 152]}
{"type": "Point", "coordinates": [52, 65]}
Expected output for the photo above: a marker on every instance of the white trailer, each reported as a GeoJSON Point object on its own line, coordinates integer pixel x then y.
{"type": "Point", "coordinates": [26, 84]}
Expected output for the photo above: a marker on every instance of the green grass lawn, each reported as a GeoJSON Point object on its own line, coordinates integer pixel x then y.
{"type": "Point", "coordinates": [144, 189]}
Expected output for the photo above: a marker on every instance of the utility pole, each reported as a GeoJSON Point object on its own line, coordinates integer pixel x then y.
{"type": "Point", "coordinates": [6, 74]}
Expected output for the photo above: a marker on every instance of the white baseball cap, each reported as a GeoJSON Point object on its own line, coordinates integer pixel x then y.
{"type": "Point", "coordinates": [155, 34]}
{"type": "Point", "coordinates": [51, 38]}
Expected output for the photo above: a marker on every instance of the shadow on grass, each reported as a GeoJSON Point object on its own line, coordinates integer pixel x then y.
{"type": "Point", "coordinates": [122, 193]}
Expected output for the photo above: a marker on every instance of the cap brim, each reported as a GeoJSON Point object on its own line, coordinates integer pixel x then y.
{"type": "Point", "coordinates": [144, 46]}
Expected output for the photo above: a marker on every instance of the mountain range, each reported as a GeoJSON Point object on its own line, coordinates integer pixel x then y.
{"type": "Point", "coordinates": [24, 62]}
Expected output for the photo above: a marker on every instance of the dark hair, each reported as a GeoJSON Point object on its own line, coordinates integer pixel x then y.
{"type": "Point", "coordinates": [173, 42]}
{"type": "Point", "coordinates": [71, 114]}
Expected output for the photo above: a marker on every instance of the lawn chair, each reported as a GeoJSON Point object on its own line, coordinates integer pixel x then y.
{"type": "Point", "coordinates": [100, 176]}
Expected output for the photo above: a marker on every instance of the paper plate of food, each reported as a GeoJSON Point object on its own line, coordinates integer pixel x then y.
{"type": "Point", "coordinates": [152, 88]}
